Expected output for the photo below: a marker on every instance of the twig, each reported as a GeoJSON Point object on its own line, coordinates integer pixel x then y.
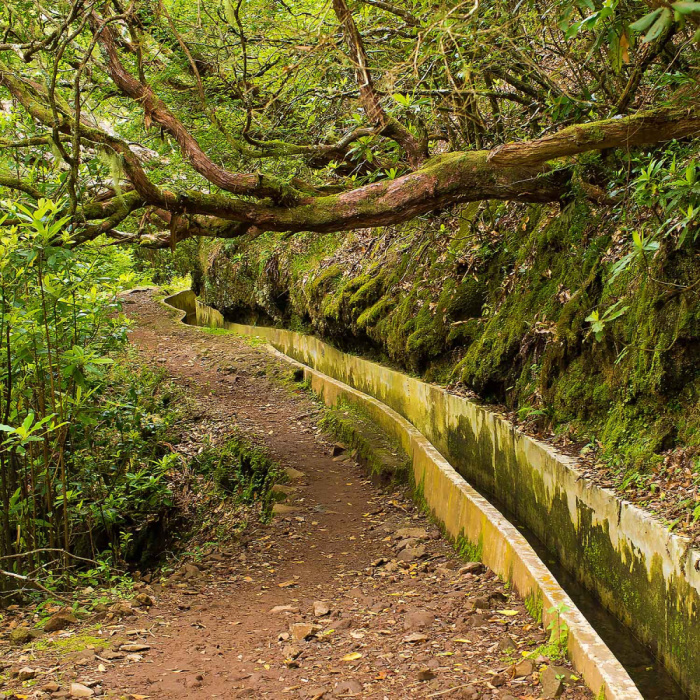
{"type": "Point", "coordinates": [449, 690]}
{"type": "Point", "coordinates": [47, 549]}
{"type": "Point", "coordinates": [36, 583]}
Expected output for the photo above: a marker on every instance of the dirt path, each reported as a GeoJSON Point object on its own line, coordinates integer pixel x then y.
{"type": "Point", "coordinates": [354, 594]}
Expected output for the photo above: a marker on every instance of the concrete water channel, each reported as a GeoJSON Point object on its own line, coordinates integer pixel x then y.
{"type": "Point", "coordinates": [629, 578]}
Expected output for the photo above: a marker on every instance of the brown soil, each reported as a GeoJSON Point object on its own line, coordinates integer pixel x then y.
{"type": "Point", "coordinates": [406, 618]}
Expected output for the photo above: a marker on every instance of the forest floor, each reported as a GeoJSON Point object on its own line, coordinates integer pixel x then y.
{"type": "Point", "coordinates": [350, 590]}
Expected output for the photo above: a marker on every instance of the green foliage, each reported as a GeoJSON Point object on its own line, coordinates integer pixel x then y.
{"type": "Point", "coordinates": [559, 630]}
{"type": "Point", "coordinates": [598, 322]}
{"type": "Point", "coordinates": [660, 19]}
{"type": "Point", "coordinates": [239, 469]}
{"type": "Point", "coordinates": [80, 469]}
{"type": "Point", "coordinates": [670, 185]}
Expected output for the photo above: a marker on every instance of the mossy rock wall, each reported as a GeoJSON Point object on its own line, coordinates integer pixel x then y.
{"type": "Point", "coordinates": [498, 304]}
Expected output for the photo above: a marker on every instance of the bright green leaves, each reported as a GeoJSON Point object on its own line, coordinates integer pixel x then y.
{"type": "Point", "coordinates": [590, 22]}
{"type": "Point", "coordinates": [645, 23]}
{"type": "Point", "coordinates": [655, 23]}
{"type": "Point", "coordinates": [672, 189]}
{"type": "Point", "coordinates": [599, 323]}
{"type": "Point", "coordinates": [609, 24]}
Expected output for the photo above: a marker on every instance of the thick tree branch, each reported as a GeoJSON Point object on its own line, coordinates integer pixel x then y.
{"type": "Point", "coordinates": [252, 184]}
{"type": "Point", "coordinates": [405, 15]}
{"type": "Point", "coordinates": [643, 128]}
{"type": "Point", "coordinates": [14, 183]}
{"type": "Point", "coordinates": [416, 149]}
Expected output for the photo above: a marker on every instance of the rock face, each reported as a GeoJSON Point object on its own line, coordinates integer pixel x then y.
{"type": "Point", "coordinates": [489, 362]}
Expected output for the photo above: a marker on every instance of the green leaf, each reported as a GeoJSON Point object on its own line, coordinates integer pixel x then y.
{"type": "Point", "coordinates": [662, 23]}
{"type": "Point", "coordinates": [641, 25]}
{"type": "Point", "coordinates": [686, 8]}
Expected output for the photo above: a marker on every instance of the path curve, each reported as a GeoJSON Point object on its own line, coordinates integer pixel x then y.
{"type": "Point", "coordinates": [406, 620]}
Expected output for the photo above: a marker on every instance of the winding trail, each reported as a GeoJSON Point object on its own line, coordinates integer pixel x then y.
{"type": "Point", "coordinates": [407, 619]}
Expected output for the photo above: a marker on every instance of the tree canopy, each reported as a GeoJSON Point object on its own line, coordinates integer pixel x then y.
{"type": "Point", "coordinates": [158, 120]}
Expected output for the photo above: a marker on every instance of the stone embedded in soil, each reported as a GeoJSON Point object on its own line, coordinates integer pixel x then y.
{"type": "Point", "coordinates": [321, 608]}
{"type": "Point", "coordinates": [425, 674]}
{"type": "Point", "coordinates": [26, 673]}
{"type": "Point", "coordinates": [411, 554]}
{"type": "Point", "coordinates": [525, 668]}
{"type": "Point", "coordinates": [303, 630]}
{"type": "Point", "coordinates": [134, 647]}
{"type": "Point", "coordinates": [20, 635]}
{"type": "Point", "coordinates": [415, 637]}
{"type": "Point", "coordinates": [112, 655]}
{"type": "Point", "coordinates": [293, 474]}
{"type": "Point", "coordinates": [498, 680]}
{"type": "Point", "coordinates": [122, 609]}
{"type": "Point", "coordinates": [51, 687]}
{"type": "Point", "coordinates": [60, 621]}
{"type": "Point", "coordinates": [78, 690]}
{"type": "Point", "coordinates": [406, 533]}
{"type": "Point", "coordinates": [418, 620]}
{"type": "Point", "coordinates": [481, 603]}
{"type": "Point", "coordinates": [284, 609]}
{"type": "Point", "coordinates": [563, 673]}
{"type": "Point", "coordinates": [187, 572]}
{"type": "Point", "coordinates": [552, 686]}
{"type": "Point", "coordinates": [345, 688]}
{"type": "Point", "coordinates": [281, 492]}
{"type": "Point", "coordinates": [506, 644]}
{"type": "Point", "coordinates": [283, 509]}
{"type": "Point", "coordinates": [291, 651]}
{"type": "Point", "coordinates": [194, 681]}
{"type": "Point", "coordinates": [472, 567]}
{"type": "Point", "coordinates": [145, 600]}
{"type": "Point", "coordinates": [478, 620]}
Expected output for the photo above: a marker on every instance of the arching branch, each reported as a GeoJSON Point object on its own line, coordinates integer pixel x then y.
{"type": "Point", "coordinates": [252, 184]}
{"type": "Point", "coordinates": [416, 149]}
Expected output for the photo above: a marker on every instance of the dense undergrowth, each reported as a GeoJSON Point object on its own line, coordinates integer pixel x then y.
{"type": "Point", "coordinates": [93, 475]}
{"type": "Point", "coordinates": [583, 320]}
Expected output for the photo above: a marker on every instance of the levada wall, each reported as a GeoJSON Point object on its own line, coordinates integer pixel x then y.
{"type": "Point", "coordinates": [646, 576]}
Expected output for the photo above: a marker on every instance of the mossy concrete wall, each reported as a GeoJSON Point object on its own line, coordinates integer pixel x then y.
{"type": "Point", "coordinates": [645, 575]}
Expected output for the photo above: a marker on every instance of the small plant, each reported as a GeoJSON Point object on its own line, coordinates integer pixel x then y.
{"type": "Point", "coordinates": [599, 323]}
{"type": "Point", "coordinates": [559, 630]}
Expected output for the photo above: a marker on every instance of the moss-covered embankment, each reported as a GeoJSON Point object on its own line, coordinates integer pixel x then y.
{"type": "Point", "coordinates": [497, 298]}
